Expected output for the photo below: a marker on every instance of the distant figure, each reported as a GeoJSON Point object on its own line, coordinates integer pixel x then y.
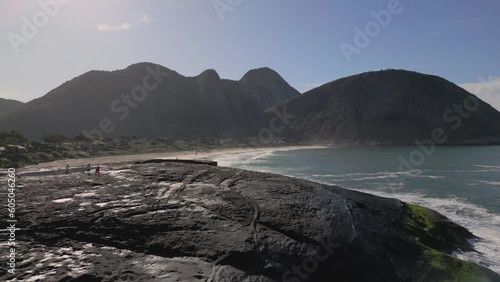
{"type": "Point", "coordinates": [88, 169]}
{"type": "Point", "coordinates": [67, 169]}
{"type": "Point", "coordinates": [98, 171]}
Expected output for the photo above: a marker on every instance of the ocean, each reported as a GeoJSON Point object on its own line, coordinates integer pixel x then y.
{"type": "Point", "coordinates": [462, 183]}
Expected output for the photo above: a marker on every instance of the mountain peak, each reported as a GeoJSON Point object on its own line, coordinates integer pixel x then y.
{"type": "Point", "coordinates": [202, 105]}
{"type": "Point", "coordinates": [143, 65]}
{"type": "Point", "coordinates": [387, 73]}
{"type": "Point", "coordinates": [209, 75]}
{"type": "Point", "coordinates": [391, 107]}
{"type": "Point", "coordinates": [264, 73]}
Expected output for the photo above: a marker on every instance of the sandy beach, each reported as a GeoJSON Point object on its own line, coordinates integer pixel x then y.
{"type": "Point", "coordinates": [184, 155]}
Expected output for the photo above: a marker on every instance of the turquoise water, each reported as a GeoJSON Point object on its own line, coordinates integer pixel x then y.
{"type": "Point", "coordinates": [462, 183]}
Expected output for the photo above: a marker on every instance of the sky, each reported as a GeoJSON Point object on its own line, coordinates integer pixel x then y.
{"type": "Point", "coordinates": [47, 42]}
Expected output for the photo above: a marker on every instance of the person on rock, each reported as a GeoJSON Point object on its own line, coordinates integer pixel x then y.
{"type": "Point", "coordinates": [67, 169]}
{"type": "Point", "coordinates": [98, 171]}
{"type": "Point", "coordinates": [88, 169]}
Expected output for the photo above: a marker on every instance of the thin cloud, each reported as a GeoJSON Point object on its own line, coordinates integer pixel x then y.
{"type": "Point", "coordinates": [488, 90]}
{"type": "Point", "coordinates": [110, 27]}
{"type": "Point", "coordinates": [145, 18]}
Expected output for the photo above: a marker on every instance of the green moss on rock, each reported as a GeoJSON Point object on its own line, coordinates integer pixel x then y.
{"type": "Point", "coordinates": [438, 237]}
{"type": "Point", "coordinates": [420, 217]}
{"type": "Point", "coordinates": [434, 230]}
{"type": "Point", "coordinates": [446, 268]}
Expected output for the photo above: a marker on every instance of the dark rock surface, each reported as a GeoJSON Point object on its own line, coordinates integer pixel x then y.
{"type": "Point", "coordinates": [194, 222]}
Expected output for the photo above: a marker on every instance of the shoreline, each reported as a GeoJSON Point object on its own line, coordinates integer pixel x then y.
{"type": "Point", "coordinates": [181, 155]}
{"type": "Point", "coordinates": [441, 205]}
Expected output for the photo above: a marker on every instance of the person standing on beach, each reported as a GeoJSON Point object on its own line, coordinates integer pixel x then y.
{"type": "Point", "coordinates": [98, 171]}
{"type": "Point", "coordinates": [67, 169]}
{"type": "Point", "coordinates": [88, 169]}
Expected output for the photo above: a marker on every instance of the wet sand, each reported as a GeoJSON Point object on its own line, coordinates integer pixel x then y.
{"type": "Point", "coordinates": [79, 164]}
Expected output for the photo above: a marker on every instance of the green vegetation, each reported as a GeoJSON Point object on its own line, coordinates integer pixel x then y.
{"type": "Point", "coordinates": [54, 138]}
{"type": "Point", "coordinates": [420, 217]}
{"type": "Point", "coordinates": [11, 137]}
{"type": "Point", "coordinates": [450, 269]}
{"type": "Point", "coordinates": [18, 151]}
{"type": "Point", "coordinates": [422, 223]}
{"type": "Point", "coordinates": [425, 226]}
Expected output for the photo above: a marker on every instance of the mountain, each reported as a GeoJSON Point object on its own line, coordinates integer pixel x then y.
{"type": "Point", "coordinates": [8, 106]}
{"type": "Point", "coordinates": [150, 100]}
{"type": "Point", "coordinates": [390, 107]}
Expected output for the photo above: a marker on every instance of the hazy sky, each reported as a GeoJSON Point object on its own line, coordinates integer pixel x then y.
{"type": "Point", "coordinates": [43, 47]}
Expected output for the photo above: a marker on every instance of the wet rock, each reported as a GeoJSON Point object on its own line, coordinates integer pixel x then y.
{"type": "Point", "coordinates": [171, 221]}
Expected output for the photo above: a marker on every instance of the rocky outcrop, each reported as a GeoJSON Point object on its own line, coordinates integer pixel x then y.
{"type": "Point", "coordinates": [159, 221]}
{"type": "Point", "coordinates": [392, 107]}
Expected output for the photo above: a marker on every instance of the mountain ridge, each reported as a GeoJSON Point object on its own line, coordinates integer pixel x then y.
{"type": "Point", "coordinates": [174, 105]}
{"type": "Point", "coordinates": [9, 105]}
{"type": "Point", "coordinates": [389, 107]}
